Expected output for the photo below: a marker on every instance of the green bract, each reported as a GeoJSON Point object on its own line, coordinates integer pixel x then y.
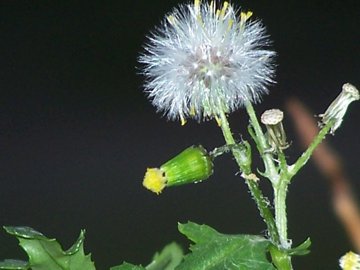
{"type": "Point", "coordinates": [191, 165]}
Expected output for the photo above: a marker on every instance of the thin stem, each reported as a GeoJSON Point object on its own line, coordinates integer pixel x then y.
{"type": "Point", "coordinates": [304, 158]}
{"type": "Point", "coordinates": [261, 201]}
{"type": "Point", "coordinates": [270, 168]}
{"type": "Point", "coordinates": [283, 163]}
{"type": "Point", "coordinates": [280, 189]}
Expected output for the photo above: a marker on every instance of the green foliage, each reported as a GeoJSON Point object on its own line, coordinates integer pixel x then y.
{"type": "Point", "coordinates": [170, 257]}
{"type": "Point", "coordinates": [14, 265]}
{"type": "Point", "coordinates": [127, 266]}
{"type": "Point", "coordinates": [280, 256]}
{"type": "Point", "coordinates": [216, 251]}
{"type": "Point", "coordinates": [302, 249]}
{"type": "Point", "coordinates": [211, 251]}
{"type": "Point", "coordinates": [46, 254]}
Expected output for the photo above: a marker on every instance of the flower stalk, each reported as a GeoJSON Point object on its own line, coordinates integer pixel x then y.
{"type": "Point", "coordinates": [262, 145]}
{"type": "Point", "coordinates": [304, 158]}
{"type": "Point", "coordinates": [251, 181]}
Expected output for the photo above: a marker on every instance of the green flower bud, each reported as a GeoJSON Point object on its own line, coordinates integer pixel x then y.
{"type": "Point", "coordinates": [190, 166]}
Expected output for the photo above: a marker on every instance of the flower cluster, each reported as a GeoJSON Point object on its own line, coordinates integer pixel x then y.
{"type": "Point", "coordinates": [205, 60]}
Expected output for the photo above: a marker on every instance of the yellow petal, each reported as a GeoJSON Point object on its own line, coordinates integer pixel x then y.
{"type": "Point", "coordinates": [154, 180]}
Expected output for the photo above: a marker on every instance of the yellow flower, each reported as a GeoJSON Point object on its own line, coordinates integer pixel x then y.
{"type": "Point", "coordinates": [350, 261]}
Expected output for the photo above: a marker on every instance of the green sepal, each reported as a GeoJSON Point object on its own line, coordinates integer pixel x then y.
{"type": "Point", "coordinates": [190, 166]}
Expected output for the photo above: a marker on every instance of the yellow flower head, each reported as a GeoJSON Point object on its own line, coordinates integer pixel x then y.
{"type": "Point", "coordinates": [154, 180]}
{"type": "Point", "coordinates": [350, 261]}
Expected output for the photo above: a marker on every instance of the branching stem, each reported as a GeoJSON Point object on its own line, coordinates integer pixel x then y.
{"type": "Point", "coordinates": [262, 145]}
{"type": "Point", "coordinates": [251, 181]}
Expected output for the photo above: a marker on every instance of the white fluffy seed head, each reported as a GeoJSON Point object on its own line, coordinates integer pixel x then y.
{"type": "Point", "coordinates": [204, 60]}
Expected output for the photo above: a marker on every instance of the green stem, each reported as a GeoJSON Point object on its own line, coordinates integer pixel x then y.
{"type": "Point", "coordinates": [281, 259]}
{"type": "Point", "coordinates": [280, 193]}
{"type": "Point", "coordinates": [261, 201]}
{"type": "Point", "coordinates": [280, 189]}
{"type": "Point", "coordinates": [270, 168]}
{"type": "Point", "coordinates": [304, 158]}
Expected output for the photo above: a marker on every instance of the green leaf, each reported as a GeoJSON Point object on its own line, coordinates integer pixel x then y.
{"type": "Point", "coordinates": [14, 265]}
{"type": "Point", "coordinates": [302, 249]}
{"type": "Point", "coordinates": [167, 259]}
{"type": "Point", "coordinates": [170, 257]}
{"type": "Point", "coordinates": [216, 251]}
{"type": "Point", "coordinates": [45, 253]}
{"type": "Point", "coordinates": [127, 266]}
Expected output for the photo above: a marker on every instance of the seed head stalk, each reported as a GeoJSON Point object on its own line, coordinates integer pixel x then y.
{"type": "Point", "coordinates": [270, 169]}
{"type": "Point", "coordinates": [251, 180]}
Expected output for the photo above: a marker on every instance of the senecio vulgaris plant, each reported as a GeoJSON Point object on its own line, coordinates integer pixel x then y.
{"type": "Point", "coordinates": [203, 62]}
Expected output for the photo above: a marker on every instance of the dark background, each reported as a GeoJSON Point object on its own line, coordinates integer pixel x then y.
{"type": "Point", "coordinates": [77, 133]}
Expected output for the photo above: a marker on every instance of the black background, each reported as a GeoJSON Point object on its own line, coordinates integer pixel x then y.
{"type": "Point", "coordinates": [77, 133]}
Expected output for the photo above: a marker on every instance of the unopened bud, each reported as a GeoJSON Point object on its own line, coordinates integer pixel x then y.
{"type": "Point", "coordinates": [276, 136]}
{"type": "Point", "coordinates": [190, 166]}
{"type": "Point", "coordinates": [338, 107]}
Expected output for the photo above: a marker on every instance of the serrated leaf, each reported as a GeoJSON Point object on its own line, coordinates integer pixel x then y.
{"type": "Point", "coordinates": [216, 251]}
{"type": "Point", "coordinates": [127, 266]}
{"type": "Point", "coordinates": [14, 265]}
{"type": "Point", "coordinates": [45, 253]}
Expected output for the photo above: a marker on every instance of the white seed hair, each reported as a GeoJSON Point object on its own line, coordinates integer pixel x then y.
{"type": "Point", "coordinates": [202, 61]}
